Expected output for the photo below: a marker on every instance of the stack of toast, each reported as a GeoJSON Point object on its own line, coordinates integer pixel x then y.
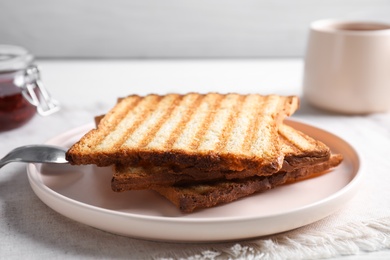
{"type": "Point", "coordinates": [202, 150]}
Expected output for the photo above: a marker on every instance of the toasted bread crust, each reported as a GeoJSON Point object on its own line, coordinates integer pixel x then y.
{"type": "Point", "coordinates": [299, 150]}
{"type": "Point", "coordinates": [140, 178]}
{"type": "Point", "coordinates": [196, 196]}
{"type": "Point", "coordinates": [129, 134]}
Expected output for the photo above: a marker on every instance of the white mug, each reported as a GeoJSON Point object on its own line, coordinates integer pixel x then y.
{"type": "Point", "coordinates": [347, 66]}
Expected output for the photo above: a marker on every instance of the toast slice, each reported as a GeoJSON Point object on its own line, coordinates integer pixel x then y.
{"type": "Point", "coordinates": [197, 196]}
{"type": "Point", "coordinates": [299, 150]}
{"type": "Point", "coordinates": [228, 132]}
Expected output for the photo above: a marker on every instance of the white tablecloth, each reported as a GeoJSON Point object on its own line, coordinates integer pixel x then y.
{"type": "Point", "coordinates": [31, 230]}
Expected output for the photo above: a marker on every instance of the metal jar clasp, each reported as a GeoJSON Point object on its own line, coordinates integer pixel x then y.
{"type": "Point", "coordinates": [34, 92]}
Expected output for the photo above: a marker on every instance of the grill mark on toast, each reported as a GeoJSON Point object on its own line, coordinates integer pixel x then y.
{"type": "Point", "coordinates": [146, 124]}
{"type": "Point", "coordinates": [150, 135]}
{"type": "Point", "coordinates": [111, 120]}
{"type": "Point", "coordinates": [183, 122]}
{"type": "Point", "coordinates": [114, 117]}
{"type": "Point", "coordinates": [241, 125]}
{"type": "Point", "coordinates": [267, 130]}
{"type": "Point", "coordinates": [186, 134]}
{"type": "Point", "coordinates": [286, 146]}
{"type": "Point", "coordinates": [133, 119]}
{"type": "Point", "coordinates": [289, 146]}
{"type": "Point", "coordinates": [229, 123]}
{"type": "Point", "coordinates": [251, 133]}
{"type": "Point", "coordinates": [299, 142]}
{"type": "Point", "coordinates": [200, 135]}
{"type": "Point", "coordinates": [176, 128]}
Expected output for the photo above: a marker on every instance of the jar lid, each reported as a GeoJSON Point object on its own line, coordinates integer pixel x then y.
{"type": "Point", "coordinates": [14, 58]}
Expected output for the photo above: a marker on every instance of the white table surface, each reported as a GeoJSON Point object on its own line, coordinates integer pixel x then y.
{"type": "Point", "coordinates": [31, 230]}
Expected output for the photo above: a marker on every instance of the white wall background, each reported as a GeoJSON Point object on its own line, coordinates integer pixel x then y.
{"type": "Point", "coordinates": [172, 28]}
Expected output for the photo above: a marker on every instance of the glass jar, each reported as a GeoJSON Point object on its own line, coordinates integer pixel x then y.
{"type": "Point", "coordinates": [22, 93]}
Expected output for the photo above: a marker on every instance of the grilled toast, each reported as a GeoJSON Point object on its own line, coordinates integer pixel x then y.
{"type": "Point", "coordinates": [299, 150]}
{"type": "Point", "coordinates": [201, 150]}
{"type": "Point", "coordinates": [209, 132]}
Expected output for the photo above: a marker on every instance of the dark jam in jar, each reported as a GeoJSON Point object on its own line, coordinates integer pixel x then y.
{"type": "Point", "coordinates": [15, 110]}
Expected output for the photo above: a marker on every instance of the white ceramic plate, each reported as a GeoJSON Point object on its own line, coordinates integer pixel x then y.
{"type": "Point", "coordinates": [83, 193]}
